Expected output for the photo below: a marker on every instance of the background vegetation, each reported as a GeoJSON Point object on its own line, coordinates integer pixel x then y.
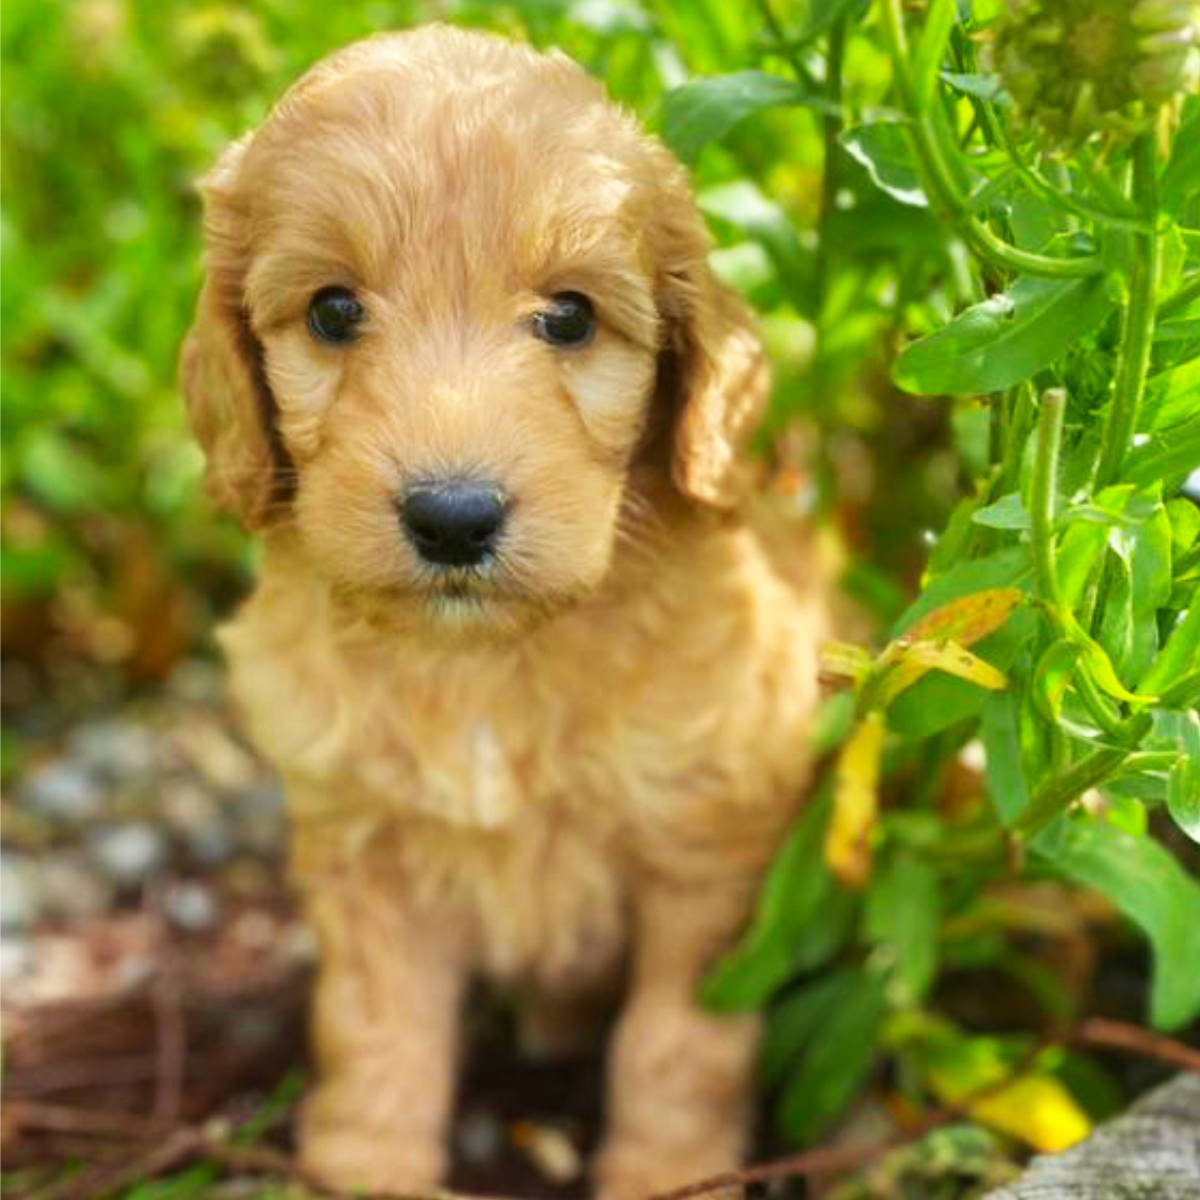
{"type": "Point", "coordinates": [981, 301]}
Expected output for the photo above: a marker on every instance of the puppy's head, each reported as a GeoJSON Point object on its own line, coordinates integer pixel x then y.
{"type": "Point", "coordinates": [452, 293]}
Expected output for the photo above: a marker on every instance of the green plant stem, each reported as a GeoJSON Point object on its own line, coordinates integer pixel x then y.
{"type": "Point", "coordinates": [831, 128]}
{"type": "Point", "coordinates": [782, 46]}
{"type": "Point", "coordinates": [1137, 326]}
{"type": "Point", "coordinates": [1016, 432]}
{"type": "Point", "coordinates": [938, 174]}
{"type": "Point", "coordinates": [1181, 297]}
{"type": "Point", "coordinates": [1054, 796]}
{"type": "Point", "coordinates": [1042, 497]}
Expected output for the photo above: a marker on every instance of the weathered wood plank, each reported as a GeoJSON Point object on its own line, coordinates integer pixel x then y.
{"type": "Point", "coordinates": [1151, 1152]}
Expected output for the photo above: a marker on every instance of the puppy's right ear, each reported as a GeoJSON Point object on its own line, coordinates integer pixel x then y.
{"type": "Point", "coordinates": [228, 402]}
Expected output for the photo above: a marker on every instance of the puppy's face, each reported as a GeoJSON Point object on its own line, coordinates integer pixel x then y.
{"type": "Point", "coordinates": [450, 290]}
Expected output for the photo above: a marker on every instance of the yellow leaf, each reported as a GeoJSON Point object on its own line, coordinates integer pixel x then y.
{"type": "Point", "coordinates": [915, 659]}
{"type": "Point", "coordinates": [844, 660]}
{"type": "Point", "coordinates": [968, 618]}
{"type": "Point", "coordinates": [1037, 1109]}
{"type": "Point", "coordinates": [1034, 1107]}
{"type": "Point", "coordinates": [952, 658]}
{"type": "Point", "coordinates": [855, 803]}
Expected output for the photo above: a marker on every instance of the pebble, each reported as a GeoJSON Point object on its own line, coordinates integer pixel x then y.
{"type": "Point", "coordinates": [260, 818]}
{"type": "Point", "coordinates": [16, 958]}
{"type": "Point", "coordinates": [128, 853]}
{"type": "Point", "coordinates": [20, 893]}
{"type": "Point", "coordinates": [71, 890]}
{"type": "Point", "coordinates": [212, 846]}
{"type": "Point", "coordinates": [198, 682]}
{"type": "Point", "coordinates": [63, 791]}
{"type": "Point", "coordinates": [480, 1138]}
{"type": "Point", "coordinates": [114, 749]}
{"type": "Point", "coordinates": [188, 808]}
{"type": "Point", "coordinates": [550, 1150]}
{"type": "Point", "coordinates": [192, 906]}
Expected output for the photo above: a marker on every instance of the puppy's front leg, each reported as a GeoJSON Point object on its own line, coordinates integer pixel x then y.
{"type": "Point", "coordinates": [385, 1030]}
{"type": "Point", "coordinates": [679, 1077]}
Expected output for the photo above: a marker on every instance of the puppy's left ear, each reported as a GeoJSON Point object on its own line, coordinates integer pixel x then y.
{"type": "Point", "coordinates": [712, 366]}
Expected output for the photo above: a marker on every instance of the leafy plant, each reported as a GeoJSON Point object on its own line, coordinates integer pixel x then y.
{"type": "Point", "coordinates": [989, 315]}
{"type": "Point", "coordinates": [1058, 626]}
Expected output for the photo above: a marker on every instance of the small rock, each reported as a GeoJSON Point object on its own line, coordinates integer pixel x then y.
{"type": "Point", "coordinates": [192, 906]}
{"type": "Point", "coordinates": [20, 893]}
{"type": "Point", "coordinates": [114, 749]}
{"type": "Point", "coordinates": [129, 853]}
{"type": "Point", "coordinates": [550, 1150]}
{"type": "Point", "coordinates": [16, 958]}
{"type": "Point", "coordinates": [197, 681]}
{"type": "Point", "coordinates": [255, 930]}
{"type": "Point", "coordinates": [212, 846]}
{"type": "Point", "coordinates": [63, 791]}
{"type": "Point", "coordinates": [480, 1138]}
{"type": "Point", "coordinates": [261, 819]}
{"type": "Point", "coordinates": [71, 891]}
{"type": "Point", "coordinates": [187, 807]}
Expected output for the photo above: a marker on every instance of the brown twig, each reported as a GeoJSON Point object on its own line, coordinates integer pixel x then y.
{"type": "Point", "coordinates": [1120, 1035]}
{"type": "Point", "coordinates": [166, 999]}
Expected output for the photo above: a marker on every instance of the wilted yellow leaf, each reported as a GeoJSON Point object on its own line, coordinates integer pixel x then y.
{"type": "Point", "coordinates": [855, 803]}
{"type": "Point", "coordinates": [1037, 1109]}
{"type": "Point", "coordinates": [968, 618]}
{"type": "Point", "coordinates": [844, 660]}
{"type": "Point", "coordinates": [915, 659]}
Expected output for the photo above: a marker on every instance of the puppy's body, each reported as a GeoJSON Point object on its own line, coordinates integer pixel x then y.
{"type": "Point", "coordinates": [582, 747]}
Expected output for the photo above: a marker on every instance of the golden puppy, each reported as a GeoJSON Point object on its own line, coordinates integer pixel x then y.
{"type": "Point", "coordinates": [536, 682]}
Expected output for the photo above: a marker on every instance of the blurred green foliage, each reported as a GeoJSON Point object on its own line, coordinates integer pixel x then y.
{"type": "Point", "coordinates": [113, 109]}
{"type": "Point", "coordinates": [899, 230]}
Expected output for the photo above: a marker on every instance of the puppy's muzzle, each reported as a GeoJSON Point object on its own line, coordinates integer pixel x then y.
{"type": "Point", "coordinates": [455, 523]}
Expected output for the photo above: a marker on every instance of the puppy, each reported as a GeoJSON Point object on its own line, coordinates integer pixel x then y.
{"type": "Point", "coordinates": [536, 677]}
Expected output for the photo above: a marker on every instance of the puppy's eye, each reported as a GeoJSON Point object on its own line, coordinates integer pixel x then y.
{"type": "Point", "coordinates": [569, 320]}
{"type": "Point", "coordinates": [334, 315]}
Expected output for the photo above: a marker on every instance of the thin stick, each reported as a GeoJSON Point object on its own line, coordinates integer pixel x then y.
{"type": "Point", "coordinates": [1120, 1035]}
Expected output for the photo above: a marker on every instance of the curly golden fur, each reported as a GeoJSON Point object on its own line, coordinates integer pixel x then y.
{"type": "Point", "coordinates": [581, 753]}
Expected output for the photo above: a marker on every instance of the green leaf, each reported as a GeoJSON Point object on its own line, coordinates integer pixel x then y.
{"type": "Point", "coordinates": [1001, 733]}
{"type": "Point", "coordinates": [883, 148]}
{"type": "Point", "coordinates": [833, 1066]}
{"type": "Point", "coordinates": [1055, 670]}
{"type": "Point", "coordinates": [793, 901]}
{"type": "Point", "coordinates": [1146, 883]}
{"type": "Point", "coordinates": [1009, 512]}
{"type": "Point", "coordinates": [982, 87]}
{"type": "Point", "coordinates": [1171, 396]}
{"type": "Point", "coordinates": [704, 110]}
{"type": "Point", "coordinates": [795, 1020]}
{"type": "Point", "coordinates": [743, 205]}
{"type": "Point", "coordinates": [1167, 456]}
{"type": "Point", "coordinates": [1010, 567]}
{"type": "Point", "coordinates": [903, 912]}
{"type": "Point", "coordinates": [1181, 653]}
{"type": "Point", "coordinates": [822, 14]}
{"type": "Point", "coordinates": [1080, 551]}
{"type": "Point", "coordinates": [1183, 780]}
{"type": "Point", "coordinates": [1181, 178]}
{"type": "Point", "coordinates": [1115, 632]}
{"type": "Point", "coordinates": [1006, 339]}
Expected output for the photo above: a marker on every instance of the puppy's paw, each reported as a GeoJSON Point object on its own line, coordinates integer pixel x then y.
{"type": "Point", "coordinates": [637, 1171]}
{"type": "Point", "coordinates": [357, 1149]}
{"type": "Point", "coordinates": [376, 1161]}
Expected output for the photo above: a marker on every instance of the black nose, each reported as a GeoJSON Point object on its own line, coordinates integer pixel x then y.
{"type": "Point", "coordinates": [453, 524]}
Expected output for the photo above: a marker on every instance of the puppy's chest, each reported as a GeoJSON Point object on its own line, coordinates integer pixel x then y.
{"type": "Point", "coordinates": [491, 805]}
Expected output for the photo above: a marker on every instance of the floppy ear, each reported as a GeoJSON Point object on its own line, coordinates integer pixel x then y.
{"type": "Point", "coordinates": [228, 402]}
{"type": "Point", "coordinates": [712, 366]}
